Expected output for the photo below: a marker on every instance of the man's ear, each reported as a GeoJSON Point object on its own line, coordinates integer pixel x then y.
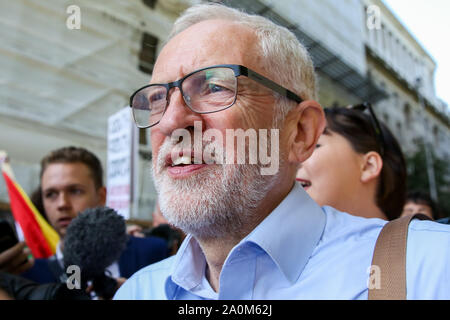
{"type": "Point", "coordinates": [371, 166]}
{"type": "Point", "coordinates": [306, 125]}
{"type": "Point", "coordinates": [101, 192]}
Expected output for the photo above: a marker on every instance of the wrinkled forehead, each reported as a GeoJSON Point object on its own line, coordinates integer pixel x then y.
{"type": "Point", "coordinates": [204, 44]}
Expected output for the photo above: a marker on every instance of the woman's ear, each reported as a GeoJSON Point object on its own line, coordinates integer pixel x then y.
{"type": "Point", "coordinates": [306, 125]}
{"type": "Point", "coordinates": [371, 166]}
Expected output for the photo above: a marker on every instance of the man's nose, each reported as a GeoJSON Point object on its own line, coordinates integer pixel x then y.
{"type": "Point", "coordinates": [63, 201]}
{"type": "Point", "coordinates": [177, 115]}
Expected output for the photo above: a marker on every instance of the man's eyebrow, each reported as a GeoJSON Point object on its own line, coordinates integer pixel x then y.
{"type": "Point", "coordinates": [72, 185]}
{"type": "Point", "coordinates": [51, 189]}
{"type": "Point", "coordinates": [75, 185]}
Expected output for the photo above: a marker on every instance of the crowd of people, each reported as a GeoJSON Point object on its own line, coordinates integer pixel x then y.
{"type": "Point", "coordinates": [71, 181]}
{"type": "Point", "coordinates": [230, 232]}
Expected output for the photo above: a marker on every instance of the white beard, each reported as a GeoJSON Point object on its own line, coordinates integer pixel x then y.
{"type": "Point", "coordinates": [214, 203]}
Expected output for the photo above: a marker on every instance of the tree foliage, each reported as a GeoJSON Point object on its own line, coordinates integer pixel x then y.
{"type": "Point", "coordinates": [418, 176]}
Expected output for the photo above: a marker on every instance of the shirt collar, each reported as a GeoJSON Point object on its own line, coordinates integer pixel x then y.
{"type": "Point", "coordinates": [291, 232]}
{"type": "Point", "coordinates": [188, 267]}
{"type": "Point", "coordinates": [288, 235]}
{"type": "Point", "coordinates": [59, 254]}
{"type": "Point", "coordinates": [189, 264]}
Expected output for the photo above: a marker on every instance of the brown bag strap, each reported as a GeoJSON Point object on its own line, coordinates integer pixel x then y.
{"type": "Point", "coordinates": [388, 268]}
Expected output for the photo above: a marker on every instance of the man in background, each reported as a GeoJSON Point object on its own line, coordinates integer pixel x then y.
{"type": "Point", "coordinates": [71, 181]}
{"type": "Point", "coordinates": [420, 202]}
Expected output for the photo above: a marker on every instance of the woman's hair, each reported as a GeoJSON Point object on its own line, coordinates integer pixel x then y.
{"type": "Point", "coordinates": [358, 128]}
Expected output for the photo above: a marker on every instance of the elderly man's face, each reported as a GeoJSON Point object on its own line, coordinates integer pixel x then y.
{"type": "Point", "coordinates": [197, 197]}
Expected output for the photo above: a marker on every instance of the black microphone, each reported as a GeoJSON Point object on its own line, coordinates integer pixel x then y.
{"type": "Point", "coordinates": [94, 240]}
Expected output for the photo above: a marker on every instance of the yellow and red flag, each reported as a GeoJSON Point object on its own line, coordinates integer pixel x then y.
{"type": "Point", "coordinates": [40, 237]}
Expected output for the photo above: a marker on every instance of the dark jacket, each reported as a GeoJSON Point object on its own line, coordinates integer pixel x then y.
{"type": "Point", "coordinates": [139, 253]}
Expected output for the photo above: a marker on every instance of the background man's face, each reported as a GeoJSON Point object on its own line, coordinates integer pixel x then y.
{"type": "Point", "coordinates": [412, 208]}
{"type": "Point", "coordinates": [68, 189]}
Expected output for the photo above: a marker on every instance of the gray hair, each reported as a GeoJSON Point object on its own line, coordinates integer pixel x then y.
{"type": "Point", "coordinates": [288, 61]}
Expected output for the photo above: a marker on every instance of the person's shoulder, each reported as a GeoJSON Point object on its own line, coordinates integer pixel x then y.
{"type": "Point", "coordinates": [40, 272]}
{"type": "Point", "coordinates": [163, 266]}
{"type": "Point", "coordinates": [428, 260]}
{"type": "Point", "coordinates": [141, 252]}
{"type": "Point", "coordinates": [428, 225]}
{"type": "Point", "coordinates": [429, 234]}
{"type": "Point", "coordinates": [147, 283]}
{"type": "Point", "coordinates": [343, 225]}
{"type": "Point", "coordinates": [444, 220]}
{"type": "Point", "coordinates": [350, 236]}
{"type": "Point", "coordinates": [147, 241]}
{"type": "Point", "coordinates": [154, 246]}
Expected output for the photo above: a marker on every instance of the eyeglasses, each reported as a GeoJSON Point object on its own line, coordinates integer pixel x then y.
{"type": "Point", "coordinates": [375, 124]}
{"type": "Point", "coordinates": [207, 90]}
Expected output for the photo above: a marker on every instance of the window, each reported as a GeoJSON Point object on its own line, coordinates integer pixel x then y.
{"type": "Point", "coordinates": [399, 132]}
{"type": "Point", "coordinates": [436, 134]}
{"type": "Point", "coordinates": [395, 99]}
{"type": "Point", "coordinates": [407, 112]}
{"type": "Point", "coordinates": [149, 3]}
{"type": "Point", "coordinates": [147, 55]}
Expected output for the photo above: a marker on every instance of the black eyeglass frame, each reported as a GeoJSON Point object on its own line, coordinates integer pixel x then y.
{"type": "Point", "coordinates": [238, 70]}
{"type": "Point", "coordinates": [375, 124]}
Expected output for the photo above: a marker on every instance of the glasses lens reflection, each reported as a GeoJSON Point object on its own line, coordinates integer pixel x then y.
{"type": "Point", "coordinates": [204, 91]}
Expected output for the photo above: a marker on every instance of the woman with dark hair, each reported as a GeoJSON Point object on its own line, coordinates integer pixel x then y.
{"type": "Point", "coordinates": [358, 166]}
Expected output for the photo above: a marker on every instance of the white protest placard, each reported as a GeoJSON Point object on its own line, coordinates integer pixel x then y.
{"type": "Point", "coordinates": [122, 135]}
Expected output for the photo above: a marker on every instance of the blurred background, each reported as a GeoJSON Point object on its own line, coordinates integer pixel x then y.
{"type": "Point", "coordinates": [68, 65]}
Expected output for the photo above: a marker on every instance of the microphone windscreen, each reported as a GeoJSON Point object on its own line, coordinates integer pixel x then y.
{"type": "Point", "coordinates": [94, 240]}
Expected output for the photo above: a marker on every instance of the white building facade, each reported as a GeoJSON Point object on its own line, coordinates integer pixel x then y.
{"type": "Point", "coordinates": [59, 83]}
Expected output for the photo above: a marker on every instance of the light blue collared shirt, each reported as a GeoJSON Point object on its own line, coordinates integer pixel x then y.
{"type": "Point", "coordinates": [300, 251]}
